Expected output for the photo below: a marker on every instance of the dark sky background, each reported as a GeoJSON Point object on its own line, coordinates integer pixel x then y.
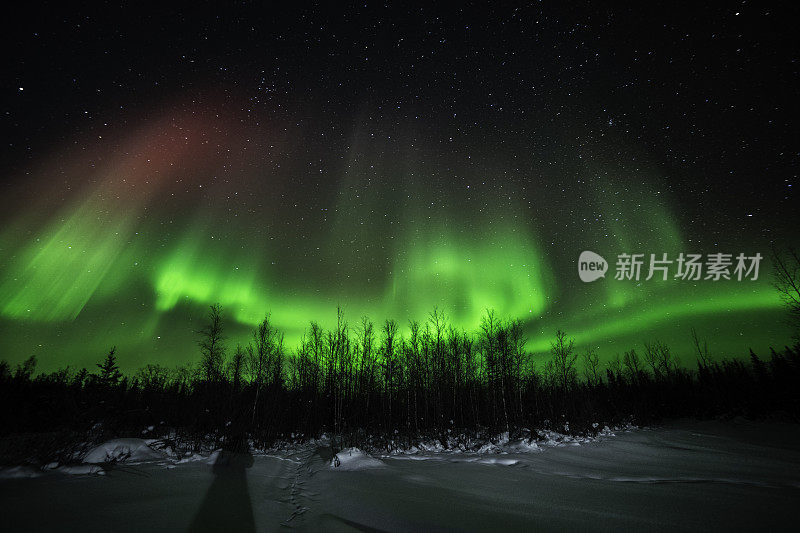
{"type": "Point", "coordinates": [390, 159]}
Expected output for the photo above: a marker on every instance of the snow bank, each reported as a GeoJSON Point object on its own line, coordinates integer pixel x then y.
{"type": "Point", "coordinates": [534, 441]}
{"type": "Point", "coordinates": [118, 450]}
{"type": "Point", "coordinates": [199, 457]}
{"type": "Point", "coordinates": [18, 472]}
{"type": "Point", "coordinates": [80, 470]}
{"type": "Point", "coordinates": [354, 459]}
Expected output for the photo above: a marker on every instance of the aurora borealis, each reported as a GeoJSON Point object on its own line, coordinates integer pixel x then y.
{"type": "Point", "coordinates": [389, 162]}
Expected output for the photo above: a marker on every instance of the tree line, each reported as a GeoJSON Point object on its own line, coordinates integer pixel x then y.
{"type": "Point", "coordinates": [369, 384]}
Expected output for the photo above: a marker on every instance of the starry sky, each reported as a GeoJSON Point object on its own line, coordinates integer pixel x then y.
{"type": "Point", "coordinates": [390, 158]}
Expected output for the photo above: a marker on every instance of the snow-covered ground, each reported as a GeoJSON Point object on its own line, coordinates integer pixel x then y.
{"type": "Point", "coordinates": [690, 475]}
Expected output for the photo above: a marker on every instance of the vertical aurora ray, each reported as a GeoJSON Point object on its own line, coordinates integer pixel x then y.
{"type": "Point", "coordinates": [53, 276]}
{"type": "Point", "coordinates": [52, 272]}
{"type": "Point", "coordinates": [639, 220]}
{"type": "Point", "coordinates": [79, 259]}
{"type": "Point", "coordinates": [431, 245]}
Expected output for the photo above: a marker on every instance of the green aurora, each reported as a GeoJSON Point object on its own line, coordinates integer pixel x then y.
{"type": "Point", "coordinates": [135, 256]}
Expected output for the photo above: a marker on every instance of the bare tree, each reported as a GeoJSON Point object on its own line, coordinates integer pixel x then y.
{"type": "Point", "coordinates": [786, 276]}
{"type": "Point", "coordinates": [260, 356]}
{"type": "Point", "coordinates": [236, 367]}
{"type": "Point", "coordinates": [564, 357]}
{"type": "Point", "coordinates": [591, 366]}
{"type": "Point", "coordinates": [614, 367]}
{"type": "Point", "coordinates": [153, 376]}
{"type": "Point", "coordinates": [390, 365]}
{"type": "Point", "coordinates": [633, 365]}
{"type": "Point", "coordinates": [659, 357]}
{"type": "Point", "coordinates": [519, 361]}
{"type": "Point", "coordinates": [212, 349]}
{"type": "Point", "coordinates": [702, 351]}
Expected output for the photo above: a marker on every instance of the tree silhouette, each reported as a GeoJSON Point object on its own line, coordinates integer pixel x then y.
{"type": "Point", "coordinates": [591, 365]}
{"type": "Point", "coordinates": [25, 370]}
{"type": "Point", "coordinates": [211, 346]}
{"type": "Point", "coordinates": [370, 386]}
{"type": "Point", "coordinates": [110, 375]}
{"type": "Point", "coordinates": [787, 282]}
{"type": "Point", "coordinates": [564, 358]}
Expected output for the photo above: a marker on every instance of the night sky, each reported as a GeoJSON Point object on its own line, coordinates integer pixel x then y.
{"type": "Point", "coordinates": [389, 160]}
